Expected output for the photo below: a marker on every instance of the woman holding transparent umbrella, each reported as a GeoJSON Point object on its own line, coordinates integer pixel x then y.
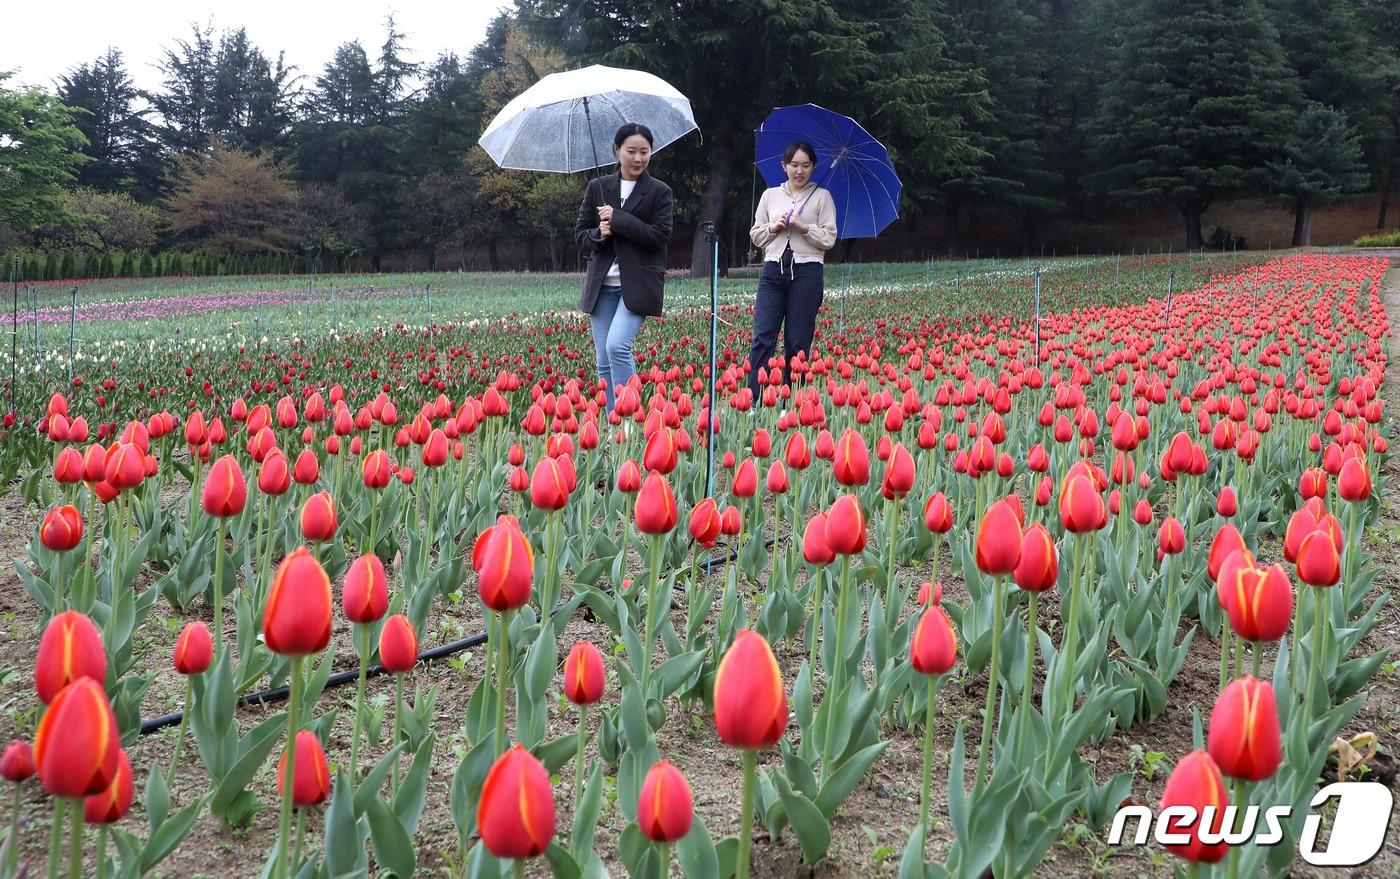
{"type": "Point", "coordinates": [624, 224]}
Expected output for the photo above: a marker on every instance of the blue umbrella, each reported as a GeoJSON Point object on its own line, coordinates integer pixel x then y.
{"type": "Point", "coordinates": [853, 166]}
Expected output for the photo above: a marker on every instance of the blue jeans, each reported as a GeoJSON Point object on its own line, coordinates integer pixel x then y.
{"type": "Point", "coordinates": [614, 328]}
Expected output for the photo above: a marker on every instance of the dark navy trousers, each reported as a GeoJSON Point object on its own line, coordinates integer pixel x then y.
{"type": "Point", "coordinates": [788, 294]}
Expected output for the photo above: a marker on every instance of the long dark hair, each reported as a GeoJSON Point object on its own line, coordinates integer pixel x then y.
{"type": "Point", "coordinates": [627, 130]}
{"type": "Point", "coordinates": [799, 146]}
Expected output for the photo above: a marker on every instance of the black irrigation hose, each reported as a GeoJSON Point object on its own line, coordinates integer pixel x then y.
{"type": "Point", "coordinates": [277, 694]}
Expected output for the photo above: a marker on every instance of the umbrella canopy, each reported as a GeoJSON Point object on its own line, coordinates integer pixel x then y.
{"type": "Point", "coordinates": [853, 166]}
{"type": "Point", "coordinates": [566, 121]}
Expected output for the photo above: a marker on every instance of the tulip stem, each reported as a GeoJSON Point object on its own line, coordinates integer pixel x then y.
{"type": "Point", "coordinates": [892, 511]}
{"type": "Point", "coordinates": [301, 834]}
{"type": "Point", "coordinates": [289, 784]}
{"type": "Point", "coordinates": [180, 733]}
{"type": "Point", "coordinates": [930, 710]}
{"type": "Point", "coordinates": [75, 842]}
{"type": "Point", "coordinates": [519, 871]}
{"type": "Point", "coordinates": [398, 707]}
{"type": "Point", "coordinates": [648, 634]}
{"type": "Point", "coordinates": [362, 639]}
{"type": "Point", "coordinates": [1256, 652]}
{"type": "Point", "coordinates": [503, 682]}
{"type": "Point", "coordinates": [373, 523]}
{"type": "Point", "coordinates": [741, 866]}
{"type": "Point", "coordinates": [838, 665]}
{"type": "Point", "coordinates": [1224, 650]}
{"type": "Point", "coordinates": [101, 850]}
{"type": "Point", "coordinates": [1027, 700]}
{"type": "Point", "coordinates": [1315, 660]}
{"type": "Point", "coordinates": [666, 860]}
{"type": "Point", "coordinates": [988, 713]}
{"type": "Point", "coordinates": [1068, 645]}
{"type": "Point", "coordinates": [60, 812]}
{"type": "Point", "coordinates": [578, 759]}
{"type": "Point", "coordinates": [12, 838]}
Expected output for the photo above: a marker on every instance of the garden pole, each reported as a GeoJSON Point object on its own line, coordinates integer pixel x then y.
{"type": "Point", "coordinates": [14, 330]}
{"type": "Point", "coordinates": [1169, 294]}
{"type": "Point", "coordinates": [72, 329]}
{"type": "Point", "coordinates": [1037, 315]}
{"type": "Point", "coordinates": [711, 236]}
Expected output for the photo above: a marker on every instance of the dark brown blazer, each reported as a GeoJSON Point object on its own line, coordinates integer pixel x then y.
{"type": "Point", "coordinates": [640, 233]}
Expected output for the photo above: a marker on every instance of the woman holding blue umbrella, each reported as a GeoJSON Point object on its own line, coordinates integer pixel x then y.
{"type": "Point", "coordinates": [794, 225]}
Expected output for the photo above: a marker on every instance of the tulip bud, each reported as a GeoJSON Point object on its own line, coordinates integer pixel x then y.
{"type": "Point", "coordinates": [845, 526]}
{"type": "Point", "coordinates": [665, 809]}
{"type": "Point", "coordinates": [899, 471]}
{"type": "Point", "coordinates": [318, 518]}
{"type": "Point", "coordinates": [998, 547]}
{"type": "Point", "coordinates": [1171, 538]}
{"type": "Point", "coordinates": [17, 763]}
{"type": "Point", "coordinates": [938, 515]}
{"type": "Point", "coordinates": [1081, 506]}
{"type": "Point", "coordinates": [730, 521]}
{"type": "Point", "coordinates": [584, 674]}
{"type": "Point", "coordinates": [311, 785]}
{"type": "Point", "coordinates": [1318, 561]}
{"type": "Point", "coordinates": [194, 649]}
{"type": "Point", "coordinates": [1225, 504]}
{"type": "Point", "coordinates": [297, 616]}
{"type": "Point", "coordinates": [515, 813]}
{"type": "Point", "coordinates": [1259, 601]}
{"type": "Point", "coordinates": [851, 459]}
{"type": "Point", "coordinates": [815, 550]}
{"type": "Point", "coordinates": [364, 596]}
{"type": "Point", "coordinates": [77, 747]}
{"type": "Point", "coordinates": [750, 705]}
{"type": "Point", "coordinates": [1038, 567]}
{"type": "Point", "coordinates": [629, 477]}
{"type": "Point", "coordinates": [656, 511]}
{"type": "Point", "coordinates": [549, 487]}
{"type": "Point", "coordinates": [504, 563]}
{"type": "Point", "coordinates": [1245, 740]}
{"type": "Point", "coordinates": [62, 529]}
{"type": "Point", "coordinates": [69, 649]}
{"type": "Point", "coordinates": [660, 454]}
{"type": "Point", "coordinates": [933, 647]}
{"type": "Point", "coordinates": [111, 804]}
{"type": "Point", "coordinates": [376, 470]}
{"type": "Point", "coordinates": [1354, 480]}
{"type": "Point", "coordinates": [398, 644]}
{"type": "Point", "coordinates": [1196, 782]}
{"type": "Point", "coordinates": [1226, 543]}
{"type": "Point", "coordinates": [705, 523]}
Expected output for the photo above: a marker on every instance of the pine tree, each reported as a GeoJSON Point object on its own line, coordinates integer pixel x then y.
{"type": "Point", "coordinates": [1322, 163]}
{"type": "Point", "coordinates": [1196, 107]}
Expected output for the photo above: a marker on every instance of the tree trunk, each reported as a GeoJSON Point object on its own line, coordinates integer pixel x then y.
{"type": "Point", "coordinates": [530, 254]}
{"type": "Point", "coordinates": [1385, 199]}
{"type": "Point", "coordinates": [950, 213]}
{"type": "Point", "coordinates": [1300, 219]}
{"type": "Point", "coordinates": [711, 205]}
{"type": "Point", "coordinates": [492, 258]}
{"type": "Point", "coordinates": [1191, 213]}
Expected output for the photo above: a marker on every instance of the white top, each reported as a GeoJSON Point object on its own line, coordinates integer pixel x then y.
{"type": "Point", "coordinates": [614, 276]}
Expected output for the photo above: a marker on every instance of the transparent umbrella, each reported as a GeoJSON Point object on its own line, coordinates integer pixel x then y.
{"type": "Point", "coordinates": [565, 122]}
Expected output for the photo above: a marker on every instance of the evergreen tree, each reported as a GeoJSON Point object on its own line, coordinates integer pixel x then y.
{"type": "Point", "coordinates": [1322, 163]}
{"type": "Point", "coordinates": [184, 103]}
{"type": "Point", "coordinates": [122, 155]}
{"type": "Point", "coordinates": [1197, 105]}
{"type": "Point", "coordinates": [250, 97]}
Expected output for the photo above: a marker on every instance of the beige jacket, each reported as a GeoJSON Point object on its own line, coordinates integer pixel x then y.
{"type": "Point", "coordinates": [819, 211]}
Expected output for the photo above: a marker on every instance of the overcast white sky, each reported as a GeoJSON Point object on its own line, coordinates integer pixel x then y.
{"type": "Point", "coordinates": [41, 39]}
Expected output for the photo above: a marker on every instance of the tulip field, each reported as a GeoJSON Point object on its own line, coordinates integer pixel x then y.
{"type": "Point", "coordinates": [362, 579]}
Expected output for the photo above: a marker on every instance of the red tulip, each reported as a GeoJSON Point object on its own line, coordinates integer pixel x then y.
{"type": "Point", "coordinates": [845, 526]}
{"type": "Point", "coordinates": [69, 649]}
{"type": "Point", "coordinates": [705, 523]}
{"type": "Point", "coordinates": [1225, 504]}
{"type": "Point", "coordinates": [77, 747]}
{"type": "Point", "coordinates": [364, 596]}
{"type": "Point", "coordinates": [797, 455]}
{"type": "Point", "coordinates": [17, 763]}
{"type": "Point", "coordinates": [665, 809]}
{"type": "Point", "coordinates": [656, 511]}
{"type": "Point", "coordinates": [814, 546]}
{"type": "Point", "coordinates": [899, 472]}
{"type": "Point", "coordinates": [730, 521]}
{"type": "Point", "coordinates": [225, 491]}
{"type": "Point", "coordinates": [1081, 506]}
{"type": "Point", "coordinates": [851, 460]}
{"type": "Point", "coordinates": [318, 518]}
{"type": "Point", "coordinates": [297, 616]}
{"type": "Point", "coordinates": [938, 516]}
{"type": "Point", "coordinates": [1318, 562]}
{"type": "Point", "coordinates": [62, 529]}
{"type": "Point", "coordinates": [629, 477]}
{"type": "Point", "coordinates": [750, 705]}
{"type": "Point", "coordinates": [745, 483]}
{"type": "Point", "coordinates": [504, 563]}
{"type": "Point", "coordinates": [1259, 601]}
{"type": "Point", "coordinates": [376, 470]}
{"type": "Point", "coordinates": [515, 814]}
{"type": "Point", "coordinates": [68, 466]}
{"type": "Point", "coordinates": [1142, 512]}
{"type": "Point", "coordinates": [126, 466]}
{"type": "Point", "coordinates": [661, 454]}
{"type": "Point", "coordinates": [1245, 740]}
{"type": "Point", "coordinates": [398, 644]}
{"type": "Point", "coordinates": [933, 647]}
{"type": "Point", "coordinates": [311, 785]}
{"type": "Point", "coordinates": [194, 649]}
{"type": "Point", "coordinates": [307, 469]}
{"type": "Point", "coordinates": [435, 449]}
{"type": "Point", "coordinates": [998, 547]}
{"type": "Point", "coordinates": [1171, 538]}
{"type": "Point", "coordinates": [273, 476]}
{"type": "Point", "coordinates": [1227, 542]}
{"type": "Point", "coordinates": [777, 480]}
{"type": "Point", "coordinates": [1038, 568]}
{"type": "Point", "coordinates": [549, 486]}
{"type": "Point", "coordinates": [584, 674]}
{"type": "Point", "coordinates": [111, 804]}
{"type": "Point", "coordinates": [1313, 483]}
{"type": "Point", "coordinates": [1354, 480]}
{"type": "Point", "coordinates": [1196, 782]}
